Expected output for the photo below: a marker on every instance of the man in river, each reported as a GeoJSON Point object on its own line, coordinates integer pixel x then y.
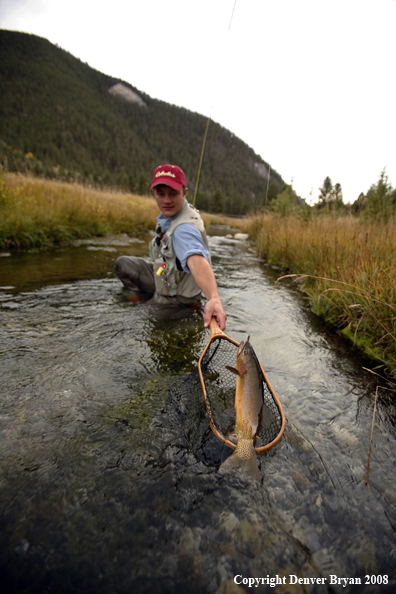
{"type": "Point", "coordinates": [180, 269]}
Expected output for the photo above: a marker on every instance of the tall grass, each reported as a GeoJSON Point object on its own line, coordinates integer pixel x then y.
{"type": "Point", "coordinates": [347, 266]}
{"type": "Point", "coordinates": [36, 212]}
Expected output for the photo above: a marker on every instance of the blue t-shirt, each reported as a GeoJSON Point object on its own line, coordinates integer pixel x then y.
{"type": "Point", "coordinates": [187, 241]}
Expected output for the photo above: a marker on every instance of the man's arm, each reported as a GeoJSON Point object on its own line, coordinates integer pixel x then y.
{"type": "Point", "coordinates": [206, 281]}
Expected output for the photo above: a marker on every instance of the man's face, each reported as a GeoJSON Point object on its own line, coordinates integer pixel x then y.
{"type": "Point", "coordinates": [169, 201]}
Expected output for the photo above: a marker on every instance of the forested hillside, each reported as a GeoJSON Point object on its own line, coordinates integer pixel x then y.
{"type": "Point", "coordinates": [58, 119]}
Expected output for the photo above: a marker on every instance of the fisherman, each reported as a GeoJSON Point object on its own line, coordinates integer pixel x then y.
{"type": "Point", "coordinates": [179, 270]}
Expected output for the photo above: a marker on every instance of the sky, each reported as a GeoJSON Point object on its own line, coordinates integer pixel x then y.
{"type": "Point", "coordinates": [309, 85]}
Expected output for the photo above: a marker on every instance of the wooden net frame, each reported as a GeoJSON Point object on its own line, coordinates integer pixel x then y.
{"type": "Point", "coordinates": [219, 352]}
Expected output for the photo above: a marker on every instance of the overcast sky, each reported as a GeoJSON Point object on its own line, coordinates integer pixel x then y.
{"type": "Point", "coordinates": [308, 84]}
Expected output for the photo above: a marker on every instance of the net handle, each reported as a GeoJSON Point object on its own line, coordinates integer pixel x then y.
{"type": "Point", "coordinates": [216, 332]}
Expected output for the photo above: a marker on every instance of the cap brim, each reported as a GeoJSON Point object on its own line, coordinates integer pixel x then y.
{"type": "Point", "coordinates": [173, 184]}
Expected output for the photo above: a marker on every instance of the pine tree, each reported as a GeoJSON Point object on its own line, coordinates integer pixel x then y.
{"type": "Point", "coordinates": [325, 193]}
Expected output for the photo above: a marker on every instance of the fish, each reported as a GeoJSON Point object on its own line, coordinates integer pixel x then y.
{"type": "Point", "coordinates": [249, 402]}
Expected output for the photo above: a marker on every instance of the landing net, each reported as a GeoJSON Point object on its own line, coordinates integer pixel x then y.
{"type": "Point", "coordinates": [218, 385]}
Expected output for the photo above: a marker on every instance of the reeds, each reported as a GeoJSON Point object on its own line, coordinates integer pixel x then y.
{"type": "Point", "coordinates": [347, 266]}
{"type": "Point", "coordinates": [36, 212]}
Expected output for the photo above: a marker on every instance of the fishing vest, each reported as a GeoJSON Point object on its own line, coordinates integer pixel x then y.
{"type": "Point", "coordinates": [170, 278]}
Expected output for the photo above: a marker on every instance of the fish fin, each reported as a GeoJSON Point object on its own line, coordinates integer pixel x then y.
{"type": "Point", "coordinates": [242, 461]}
{"type": "Point", "coordinates": [232, 437]}
{"type": "Point", "coordinates": [233, 370]}
{"type": "Point", "coordinates": [257, 442]}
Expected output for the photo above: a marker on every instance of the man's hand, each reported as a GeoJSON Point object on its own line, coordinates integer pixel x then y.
{"type": "Point", "coordinates": [214, 309]}
{"type": "Point", "coordinates": [205, 279]}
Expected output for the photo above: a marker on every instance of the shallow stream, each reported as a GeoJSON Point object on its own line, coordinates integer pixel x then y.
{"type": "Point", "coordinates": [106, 487]}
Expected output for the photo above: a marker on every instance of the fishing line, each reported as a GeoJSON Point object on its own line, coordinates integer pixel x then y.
{"type": "Point", "coordinates": [207, 127]}
{"type": "Point", "coordinates": [232, 16]}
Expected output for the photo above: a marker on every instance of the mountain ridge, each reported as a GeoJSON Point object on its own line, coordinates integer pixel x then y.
{"type": "Point", "coordinates": [58, 119]}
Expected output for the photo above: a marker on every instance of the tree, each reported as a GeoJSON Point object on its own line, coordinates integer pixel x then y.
{"type": "Point", "coordinates": [285, 203]}
{"type": "Point", "coordinates": [325, 193]}
{"type": "Point", "coordinates": [359, 204]}
{"type": "Point", "coordinates": [381, 198]}
{"type": "Point", "coordinates": [273, 191]}
{"type": "Point", "coordinates": [337, 197]}
{"type": "Point", "coordinates": [330, 196]}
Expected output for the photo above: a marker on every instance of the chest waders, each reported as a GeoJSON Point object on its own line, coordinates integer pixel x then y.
{"type": "Point", "coordinates": [170, 278]}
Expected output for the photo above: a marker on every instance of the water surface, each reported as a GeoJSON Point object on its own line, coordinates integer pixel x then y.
{"type": "Point", "coordinates": [106, 487]}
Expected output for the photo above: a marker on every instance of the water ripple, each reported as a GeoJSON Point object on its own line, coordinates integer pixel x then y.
{"type": "Point", "coordinates": [107, 485]}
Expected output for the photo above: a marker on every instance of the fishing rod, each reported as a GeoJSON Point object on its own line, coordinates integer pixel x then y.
{"type": "Point", "coordinates": [200, 161]}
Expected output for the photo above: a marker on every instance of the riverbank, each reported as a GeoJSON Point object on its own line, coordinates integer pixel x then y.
{"type": "Point", "coordinates": [41, 213]}
{"type": "Point", "coordinates": [347, 267]}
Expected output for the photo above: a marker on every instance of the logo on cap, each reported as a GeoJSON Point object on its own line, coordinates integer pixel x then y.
{"type": "Point", "coordinates": [165, 173]}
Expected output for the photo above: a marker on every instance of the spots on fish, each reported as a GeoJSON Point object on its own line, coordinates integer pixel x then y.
{"type": "Point", "coordinates": [242, 461]}
{"type": "Point", "coordinates": [245, 449]}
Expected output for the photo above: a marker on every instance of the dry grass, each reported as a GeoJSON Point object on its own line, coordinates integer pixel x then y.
{"type": "Point", "coordinates": [240, 224]}
{"type": "Point", "coordinates": [347, 267]}
{"type": "Point", "coordinates": [38, 212]}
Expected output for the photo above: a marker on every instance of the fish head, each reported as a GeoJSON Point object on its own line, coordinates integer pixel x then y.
{"type": "Point", "coordinates": [245, 356]}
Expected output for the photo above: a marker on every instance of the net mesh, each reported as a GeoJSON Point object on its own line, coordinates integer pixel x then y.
{"type": "Point", "coordinates": [220, 384]}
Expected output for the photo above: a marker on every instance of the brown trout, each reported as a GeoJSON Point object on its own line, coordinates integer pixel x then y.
{"type": "Point", "coordinates": [249, 409]}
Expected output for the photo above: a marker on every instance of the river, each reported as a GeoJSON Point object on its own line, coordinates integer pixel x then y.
{"type": "Point", "coordinates": [106, 488]}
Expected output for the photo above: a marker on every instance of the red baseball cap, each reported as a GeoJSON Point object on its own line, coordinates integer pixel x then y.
{"type": "Point", "coordinates": [170, 175]}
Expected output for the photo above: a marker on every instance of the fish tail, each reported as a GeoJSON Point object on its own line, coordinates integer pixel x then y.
{"type": "Point", "coordinates": [243, 460]}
